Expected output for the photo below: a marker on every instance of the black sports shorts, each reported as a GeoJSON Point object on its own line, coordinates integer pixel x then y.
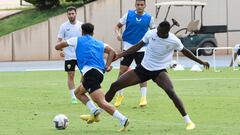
{"type": "Point", "coordinates": [92, 80]}
{"type": "Point", "coordinates": [145, 74]}
{"type": "Point", "coordinates": [70, 65]}
{"type": "Point", "coordinates": [137, 56]}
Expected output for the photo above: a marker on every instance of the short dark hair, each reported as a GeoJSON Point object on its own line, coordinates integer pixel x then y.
{"type": "Point", "coordinates": [87, 28]}
{"type": "Point", "coordinates": [165, 26]}
{"type": "Point", "coordinates": [72, 8]}
{"type": "Point", "coordinates": [141, 0]}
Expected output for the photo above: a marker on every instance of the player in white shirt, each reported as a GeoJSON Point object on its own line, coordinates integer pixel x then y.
{"type": "Point", "coordinates": [236, 50]}
{"type": "Point", "coordinates": [160, 47]}
{"type": "Point", "coordinates": [69, 29]}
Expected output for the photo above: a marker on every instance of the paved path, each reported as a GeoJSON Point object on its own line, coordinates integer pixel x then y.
{"type": "Point", "coordinates": [58, 65]}
{"type": "Point", "coordinates": [7, 6]}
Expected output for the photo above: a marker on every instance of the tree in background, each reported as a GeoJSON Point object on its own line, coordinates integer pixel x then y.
{"type": "Point", "coordinates": [44, 4]}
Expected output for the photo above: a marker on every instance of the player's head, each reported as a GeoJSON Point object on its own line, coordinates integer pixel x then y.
{"type": "Point", "coordinates": [140, 6]}
{"type": "Point", "coordinates": [87, 28]}
{"type": "Point", "coordinates": [71, 14]}
{"type": "Point", "coordinates": [163, 29]}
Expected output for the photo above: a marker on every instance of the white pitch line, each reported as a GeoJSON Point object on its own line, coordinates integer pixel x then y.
{"type": "Point", "coordinates": [198, 79]}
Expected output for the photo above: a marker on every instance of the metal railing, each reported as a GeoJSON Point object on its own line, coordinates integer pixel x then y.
{"type": "Point", "coordinates": [214, 55]}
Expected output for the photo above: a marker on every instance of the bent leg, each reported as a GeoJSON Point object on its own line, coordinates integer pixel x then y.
{"type": "Point", "coordinates": [128, 79]}
{"type": "Point", "coordinates": [80, 94]}
{"type": "Point", "coordinates": [165, 83]}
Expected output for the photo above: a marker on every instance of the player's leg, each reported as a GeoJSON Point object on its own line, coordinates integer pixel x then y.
{"type": "Point", "coordinates": [165, 83]}
{"type": "Point", "coordinates": [70, 69]}
{"type": "Point", "coordinates": [128, 79]}
{"type": "Point", "coordinates": [98, 97]}
{"type": "Point", "coordinates": [80, 93]}
{"type": "Point", "coordinates": [124, 65]}
{"type": "Point", "coordinates": [143, 86]}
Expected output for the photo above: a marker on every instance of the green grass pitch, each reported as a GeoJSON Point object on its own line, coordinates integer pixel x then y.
{"type": "Point", "coordinates": [30, 100]}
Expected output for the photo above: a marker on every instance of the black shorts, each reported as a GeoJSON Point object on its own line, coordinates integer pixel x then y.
{"type": "Point", "coordinates": [92, 80]}
{"type": "Point", "coordinates": [70, 65]}
{"type": "Point", "coordinates": [145, 74]}
{"type": "Point", "coordinates": [137, 56]}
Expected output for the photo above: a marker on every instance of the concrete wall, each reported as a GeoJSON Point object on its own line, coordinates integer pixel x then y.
{"type": "Point", "coordinates": [37, 42]}
{"type": "Point", "coordinates": [104, 14]}
{"type": "Point", "coordinates": [31, 43]}
{"type": "Point", "coordinates": [6, 48]}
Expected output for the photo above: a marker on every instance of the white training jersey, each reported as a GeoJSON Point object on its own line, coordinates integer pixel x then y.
{"type": "Point", "coordinates": [236, 48]}
{"type": "Point", "coordinates": [66, 31]}
{"type": "Point", "coordinates": [159, 51]}
{"type": "Point", "coordinates": [123, 21]}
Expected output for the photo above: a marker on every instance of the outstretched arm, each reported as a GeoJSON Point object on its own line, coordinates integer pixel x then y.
{"type": "Point", "coordinates": [111, 54]}
{"type": "Point", "coordinates": [131, 50]}
{"type": "Point", "coordinates": [61, 45]}
{"type": "Point", "coordinates": [190, 55]}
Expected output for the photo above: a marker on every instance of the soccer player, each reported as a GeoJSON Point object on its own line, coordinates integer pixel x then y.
{"type": "Point", "coordinates": [236, 55]}
{"type": "Point", "coordinates": [90, 59]}
{"type": "Point", "coordinates": [71, 28]}
{"type": "Point", "coordinates": [137, 22]}
{"type": "Point", "coordinates": [160, 48]}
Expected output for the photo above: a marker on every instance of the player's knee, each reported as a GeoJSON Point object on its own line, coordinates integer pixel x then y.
{"type": "Point", "coordinates": [102, 104]}
{"type": "Point", "coordinates": [115, 86]}
{"type": "Point", "coordinates": [171, 93]}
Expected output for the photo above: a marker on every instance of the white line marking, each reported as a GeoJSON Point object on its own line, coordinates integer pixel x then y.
{"type": "Point", "coordinates": [197, 79]}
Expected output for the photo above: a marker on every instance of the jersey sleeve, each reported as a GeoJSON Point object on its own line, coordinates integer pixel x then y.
{"type": "Point", "coordinates": [236, 48]}
{"type": "Point", "coordinates": [61, 32]}
{"type": "Point", "coordinates": [146, 37]}
{"type": "Point", "coordinates": [123, 20]}
{"type": "Point", "coordinates": [179, 45]}
{"type": "Point", "coordinates": [152, 25]}
{"type": "Point", "coordinates": [72, 42]}
{"type": "Point", "coordinates": [105, 45]}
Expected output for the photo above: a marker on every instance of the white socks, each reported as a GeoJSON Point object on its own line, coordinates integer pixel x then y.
{"type": "Point", "coordinates": [143, 91]}
{"type": "Point", "coordinates": [72, 93]}
{"type": "Point", "coordinates": [187, 119]}
{"type": "Point", "coordinates": [120, 92]}
{"type": "Point", "coordinates": [120, 117]}
{"type": "Point", "coordinates": [91, 106]}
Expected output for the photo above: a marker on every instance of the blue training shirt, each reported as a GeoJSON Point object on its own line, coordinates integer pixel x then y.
{"type": "Point", "coordinates": [136, 27]}
{"type": "Point", "coordinates": [90, 52]}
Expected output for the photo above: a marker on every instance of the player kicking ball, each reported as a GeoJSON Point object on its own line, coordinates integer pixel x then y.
{"type": "Point", "coordinates": [159, 52]}
{"type": "Point", "coordinates": [90, 59]}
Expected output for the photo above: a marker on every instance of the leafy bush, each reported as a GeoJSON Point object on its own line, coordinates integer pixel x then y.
{"type": "Point", "coordinates": [44, 4]}
{"type": "Point", "coordinates": [72, 0]}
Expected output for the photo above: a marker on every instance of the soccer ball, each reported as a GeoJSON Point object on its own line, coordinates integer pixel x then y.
{"type": "Point", "coordinates": [61, 121]}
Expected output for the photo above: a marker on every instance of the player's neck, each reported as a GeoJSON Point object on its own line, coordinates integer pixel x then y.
{"type": "Point", "coordinates": [73, 22]}
{"type": "Point", "coordinates": [140, 13]}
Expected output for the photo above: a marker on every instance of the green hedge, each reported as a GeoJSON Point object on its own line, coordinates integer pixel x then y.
{"type": "Point", "coordinates": [44, 4]}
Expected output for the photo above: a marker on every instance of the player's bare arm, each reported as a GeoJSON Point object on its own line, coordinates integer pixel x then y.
{"type": "Point", "coordinates": [190, 55]}
{"type": "Point", "coordinates": [118, 31]}
{"type": "Point", "coordinates": [61, 53]}
{"type": "Point", "coordinates": [131, 50]}
{"type": "Point", "coordinates": [111, 54]}
{"type": "Point", "coordinates": [61, 45]}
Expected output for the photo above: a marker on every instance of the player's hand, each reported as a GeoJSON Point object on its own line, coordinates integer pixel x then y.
{"type": "Point", "coordinates": [206, 64]}
{"type": "Point", "coordinates": [116, 57]}
{"type": "Point", "coordinates": [108, 68]}
{"type": "Point", "coordinates": [119, 38]}
{"type": "Point", "coordinates": [62, 54]}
